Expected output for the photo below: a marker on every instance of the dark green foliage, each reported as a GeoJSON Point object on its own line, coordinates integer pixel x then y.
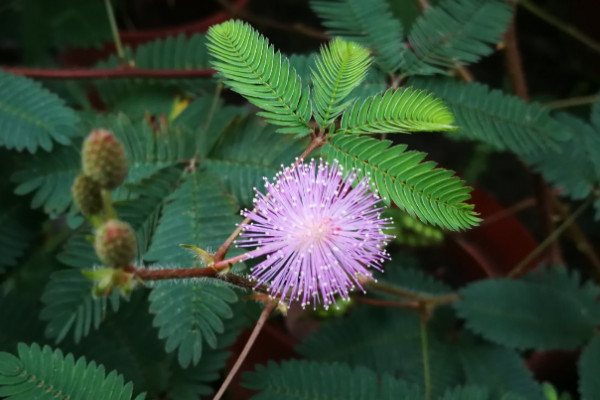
{"type": "Point", "coordinates": [70, 306]}
{"type": "Point", "coordinates": [15, 234]}
{"type": "Point", "coordinates": [402, 272]}
{"type": "Point", "coordinates": [368, 23]}
{"type": "Point", "coordinates": [454, 32]}
{"type": "Point", "coordinates": [549, 311]}
{"type": "Point", "coordinates": [498, 368]}
{"type": "Point", "coordinates": [31, 116]}
{"type": "Point", "coordinates": [502, 121]}
{"type": "Point", "coordinates": [189, 315]}
{"type": "Point", "coordinates": [402, 110]}
{"type": "Point", "coordinates": [589, 365]}
{"type": "Point", "coordinates": [400, 176]}
{"type": "Point", "coordinates": [305, 380]}
{"type": "Point", "coordinates": [267, 80]}
{"type": "Point", "coordinates": [44, 373]}
{"type": "Point", "coordinates": [476, 393]}
{"type": "Point", "coordinates": [24, 309]}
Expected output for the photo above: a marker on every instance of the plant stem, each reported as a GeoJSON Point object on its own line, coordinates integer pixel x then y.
{"type": "Point", "coordinates": [251, 340]}
{"type": "Point", "coordinates": [561, 26]}
{"type": "Point", "coordinates": [115, 31]}
{"type": "Point", "coordinates": [109, 211]}
{"type": "Point", "coordinates": [383, 303]}
{"type": "Point", "coordinates": [178, 273]}
{"type": "Point", "coordinates": [423, 316]}
{"type": "Point", "coordinates": [549, 240]}
{"type": "Point", "coordinates": [572, 102]}
{"type": "Point", "coordinates": [430, 300]}
{"type": "Point", "coordinates": [123, 72]}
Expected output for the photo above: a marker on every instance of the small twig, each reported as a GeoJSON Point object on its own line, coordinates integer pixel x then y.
{"type": "Point", "coordinates": [430, 300]}
{"type": "Point", "coordinates": [507, 212]}
{"type": "Point", "coordinates": [383, 303]}
{"type": "Point", "coordinates": [514, 65]}
{"type": "Point", "coordinates": [549, 240]}
{"type": "Point", "coordinates": [251, 340]}
{"type": "Point", "coordinates": [423, 317]}
{"type": "Point", "coordinates": [115, 31]}
{"type": "Point", "coordinates": [561, 26]}
{"type": "Point", "coordinates": [572, 102]}
{"type": "Point", "coordinates": [125, 72]}
{"type": "Point", "coordinates": [294, 27]}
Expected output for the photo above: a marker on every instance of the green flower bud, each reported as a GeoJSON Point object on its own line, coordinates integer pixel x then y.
{"type": "Point", "coordinates": [115, 244]}
{"type": "Point", "coordinates": [104, 159]}
{"type": "Point", "coordinates": [87, 196]}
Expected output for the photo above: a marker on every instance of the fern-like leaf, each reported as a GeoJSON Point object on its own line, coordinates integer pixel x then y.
{"type": "Point", "coordinates": [432, 194]}
{"type": "Point", "coordinates": [502, 121]}
{"type": "Point", "coordinates": [250, 66]}
{"type": "Point", "coordinates": [551, 311]}
{"type": "Point", "coordinates": [589, 367]}
{"type": "Point", "coordinates": [455, 32]}
{"type": "Point", "coordinates": [401, 110]}
{"type": "Point", "coordinates": [368, 23]}
{"type": "Point", "coordinates": [31, 116]}
{"type": "Point", "coordinates": [46, 374]}
{"type": "Point", "coordinates": [340, 68]}
{"type": "Point", "coordinates": [306, 380]}
{"type": "Point", "coordinates": [69, 305]}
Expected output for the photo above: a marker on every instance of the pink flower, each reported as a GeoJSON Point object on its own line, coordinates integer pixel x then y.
{"type": "Point", "coordinates": [320, 235]}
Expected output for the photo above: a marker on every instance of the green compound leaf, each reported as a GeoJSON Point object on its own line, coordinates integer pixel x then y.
{"type": "Point", "coordinates": [15, 234]}
{"type": "Point", "coordinates": [548, 311]}
{"type": "Point", "coordinates": [432, 194]}
{"type": "Point", "coordinates": [306, 380]}
{"type": "Point", "coordinates": [31, 116]}
{"type": "Point", "coordinates": [502, 121]}
{"type": "Point", "coordinates": [589, 368]}
{"type": "Point", "coordinates": [69, 305]}
{"type": "Point", "coordinates": [454, 32]}
{"type": "Point", "coordinates": [190, 313]}
{"type": "Point", "coordinates": [340, 68]}
{"type": "Point", "coordinates": [250, 66]}
{"type": "Point", "coordinates": [369, 23]}
{"type": "Point", "coordinates": [476, 393]}
{"type": "Point", "coordinates": [400, 110]}
{"type": "Point", "coordinates": [44, 374]}
{"type": "Point", "coordinates": [500, 369]}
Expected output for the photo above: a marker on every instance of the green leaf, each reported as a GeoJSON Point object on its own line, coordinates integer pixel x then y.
{"type": "Point", "coordinates": [43, 373]}
{"type": "Point", "coordinates": [467, 393]}
{"type": "Point", "coordinates": [454, 32]}
{"type": "Point", "coordinates": [397, 110]}
{"type": "Point", "coordinates": [189, 313]}
{"type": "Point", "coordinates": [31, 116]}
{"type": "Point", "coordinates": [340, 68]}
{"type": "Point", "coordinates": [196, 213]}
{"type": "Point", "coordinates": [306, 380]}
{"type": "Point", "coordinates": [549, 311]}
{"type": "Point", "coordinates": [432, 194]}
{"type": "Point", "coordinates": [412, 232]}
{"type": "Point", "coordinates": [500, 369]}
{"type": "Point", "coordinates": [501, 121]}
{"type": "Point", "coordinates": [250, 66]}
{"type": "Point", "coordinates": [241, 170]}
{"type": "Point", "coordinates": [69, 305]}
{"type": "Point", "coordinates": [369, 23]}
{"type": "Point", "coordinates": [15, 234]}
{"type": "Point", "coordinates": [589, 367]}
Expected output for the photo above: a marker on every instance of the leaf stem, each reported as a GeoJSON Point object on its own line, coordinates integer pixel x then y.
{"type": "Point", "coordinates": [114, 73]}
{"type": "Point", "coordinates": [572, 102]}
{"type": "Point", "coordinates": [560, 25]}
{"type": "Point", "coordinates": [251, 340]}
{"type": "Point", "coordinates": [115, 31]}
{"type": "Point", "coordinates": [423, 316]}
{"type": "Point", "coordinates": [178, 273]}
{"type": "Point", "coordinates": [384, 303]}
{"type": "Point", "coordinates": [550, 239]}
{"type": "Point", "coordinates": [430, 300]}
{"type": "Point", "coordinates": [109, 211]}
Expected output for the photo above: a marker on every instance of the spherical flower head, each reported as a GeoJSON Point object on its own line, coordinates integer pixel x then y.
{"type": "Point", "coordinates": [320, 235]}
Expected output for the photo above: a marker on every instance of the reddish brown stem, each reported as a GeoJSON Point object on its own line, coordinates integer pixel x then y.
{"type": "Point", "coordinates": [383, 303]}
{"type": "Point", "coordinates": [129, 72]}
{"type": "Point", "coordinates": [251, 340]}
{"type": "Point", "coordinates": [178, 273]}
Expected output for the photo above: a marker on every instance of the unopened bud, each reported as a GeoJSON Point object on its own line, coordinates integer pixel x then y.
{"type": "Point", "coordinates": [104, 159]}
{"type": "Point", "coordinates": [87, 196]}
{"type": "Point", "coordinates": [115, 244]}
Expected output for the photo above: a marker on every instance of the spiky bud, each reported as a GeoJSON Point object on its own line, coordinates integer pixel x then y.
{"type": "Point", "coordinates": [86, 194]}
{"type": "Point", "coordinates": [115, 244]}
{"type": "Point", "coordinates": [104, 159]}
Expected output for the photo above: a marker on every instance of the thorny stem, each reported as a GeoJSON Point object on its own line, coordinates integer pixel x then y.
{"type": "Point", "coordinates": [114, 30]}
{"type": "Point", "coordinates": [423, 317]}
{"type": "Point", "coordinates": [572, 102]}
{"type": "Point", "coordinates": [123, 72]}
{"type": "Point", "coordinates": [430, 300]}
{"type": "Point", "coordinates": [549, 240]}
{"type": "Point", "coordinates": [238, 363]}
{"type": "Point", "coordinates": [561, 26]}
